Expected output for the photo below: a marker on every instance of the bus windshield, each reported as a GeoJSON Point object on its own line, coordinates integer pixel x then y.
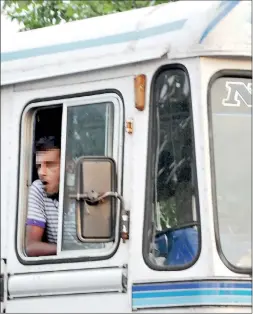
{"type": "Point", "coordinates": [230, 110]}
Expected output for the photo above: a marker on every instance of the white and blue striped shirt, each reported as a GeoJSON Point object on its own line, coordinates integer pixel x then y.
{"type": "Point", "coordinates": [43, 212]}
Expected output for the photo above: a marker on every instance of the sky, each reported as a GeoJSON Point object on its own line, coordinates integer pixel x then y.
{"type": "Point", "coordinates": [7, 27]}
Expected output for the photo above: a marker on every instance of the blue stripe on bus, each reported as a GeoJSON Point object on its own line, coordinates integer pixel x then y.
{"type": "Point", "coordinates": [192, 293]}
{"type": "Point", "coordinates": [91, 43]}
{"type": "Point", "coordinates": [192, 301]}
{"type": "Point", "coordinates": [193, 285]}
{"type": "Point", "coordinates": [225, 7]}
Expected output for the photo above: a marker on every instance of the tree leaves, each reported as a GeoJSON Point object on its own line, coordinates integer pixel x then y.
{"type": "Point", "coordinates": [41, 13]}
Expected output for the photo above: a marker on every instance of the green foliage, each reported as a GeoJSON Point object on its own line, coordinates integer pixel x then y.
{"type": "Point", "coordinates": [168, 213]}
{"type": "Point", "coordinates": [36, 14]}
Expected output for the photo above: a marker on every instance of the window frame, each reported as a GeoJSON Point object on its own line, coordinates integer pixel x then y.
{"type": "Point", "coordinates": [26, 131]}
{"type": "Point", "coordinates": [221, 74]}
{"type": "Point", "coordinates": [147, 213]}
{"type": "Point", "coordinates": [97, 99]}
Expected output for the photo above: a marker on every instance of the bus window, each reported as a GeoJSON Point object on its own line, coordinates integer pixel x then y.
{"type": "Point", "coordinates": [172, 222]}
{"type": "Point", "coordinates": [89, 133]}
{"type": "Point", "coordinates": [79, 127]}
{"type": "Point", "coordinates": [230, 113]}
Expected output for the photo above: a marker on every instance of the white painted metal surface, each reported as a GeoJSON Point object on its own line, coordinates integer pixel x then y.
{"type": "Point", "coordinates": [65, 282]}
{"type": "Point", "coordinates": [89, 303]}
{"type": "Point", "coordinates": [181, 29]}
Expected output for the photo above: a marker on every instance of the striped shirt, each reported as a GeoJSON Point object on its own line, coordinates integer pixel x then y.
{"type": "Point", "coordinates": [43, 212]}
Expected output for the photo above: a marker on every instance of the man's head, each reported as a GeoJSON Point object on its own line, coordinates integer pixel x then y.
{"type": "Point", "coordinates": [48, 163]}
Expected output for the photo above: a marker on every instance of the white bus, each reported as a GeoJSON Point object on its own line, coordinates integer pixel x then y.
{"type": "Point", "coordinates": [154, 106]}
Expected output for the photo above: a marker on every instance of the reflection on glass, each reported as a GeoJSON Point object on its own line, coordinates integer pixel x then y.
{"type": "Point", "coordinates": [174, 236]}
{"type": "Point", "coordinates": [89, 133]}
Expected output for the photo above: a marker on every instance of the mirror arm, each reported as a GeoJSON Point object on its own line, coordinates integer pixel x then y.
{"type": "Point", "coordinates": [94, 197]}
{"type": "Point", "coordinates": [124, 214]}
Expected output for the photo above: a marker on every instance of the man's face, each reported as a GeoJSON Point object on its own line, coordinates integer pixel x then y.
{"type": "Point", "coordinates": [48, 166]}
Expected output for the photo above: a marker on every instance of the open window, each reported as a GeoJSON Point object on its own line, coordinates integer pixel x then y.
{"type": "Point", "coordinates": [46, 122]}
{"type": "Point", "coordinates": [86, 128]}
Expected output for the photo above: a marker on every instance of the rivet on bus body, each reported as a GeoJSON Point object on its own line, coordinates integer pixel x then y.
{"type": "Point", "coordinates": [129, 126]}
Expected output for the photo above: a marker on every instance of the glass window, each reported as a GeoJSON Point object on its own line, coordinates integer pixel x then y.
{"type": "Point", "coordinates": [89, 132]}
{"type": "Point", "coordinates": [230, 115]}
{"type": "Point", "coordinates": [84, 127]}
{"type": "Point", "coordinates": [172, 220]}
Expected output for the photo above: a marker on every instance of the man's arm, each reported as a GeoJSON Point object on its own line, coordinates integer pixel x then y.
{"type": "Point", "coordinates": [36, 223]}
{"type": "Point", "coordinates": [34, 244]}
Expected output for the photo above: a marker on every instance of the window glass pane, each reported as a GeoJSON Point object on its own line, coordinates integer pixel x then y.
{"type": "Point", "coordinates": [89, 133]}
{"type": "Point", "coordinates": [171, 198]}
{"type": "Point", "coordinates": [231, 114]}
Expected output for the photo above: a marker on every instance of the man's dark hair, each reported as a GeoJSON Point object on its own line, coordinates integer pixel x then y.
{"type": "Point", "coordinates": [47, 142]}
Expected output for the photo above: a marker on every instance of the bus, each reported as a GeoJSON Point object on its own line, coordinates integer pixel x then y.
{"type": "Point", "coordinates": [153, 111]}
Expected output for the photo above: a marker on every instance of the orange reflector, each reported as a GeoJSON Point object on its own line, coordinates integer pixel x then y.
{"type": "Point", "coordinates": [140, 88]}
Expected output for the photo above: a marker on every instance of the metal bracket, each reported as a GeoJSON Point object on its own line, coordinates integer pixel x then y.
{"type": "Point", "coordinates": [3, 284]}
{"type": "Point", "coordinates": [94, 197]}
{"type": "Point", "coordinates": [1, 288]}
{"type": "Point", "coordinates": [124, 278]}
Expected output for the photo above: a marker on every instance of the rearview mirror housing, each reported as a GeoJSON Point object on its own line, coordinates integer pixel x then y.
{"type": "Point", "coordinates": [95, 221]}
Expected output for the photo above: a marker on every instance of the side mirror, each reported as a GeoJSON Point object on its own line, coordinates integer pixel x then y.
{"type": "Point", "coordinates": [95, 220]}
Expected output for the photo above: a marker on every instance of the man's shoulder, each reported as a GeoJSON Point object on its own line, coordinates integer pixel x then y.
{"type": "Point", "coordinates": [38, 184]}
{"type": "Point", "coordinates": [37, 187]}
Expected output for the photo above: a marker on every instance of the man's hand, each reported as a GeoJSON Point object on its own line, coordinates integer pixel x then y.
{"type": "Point", "coordinates": [34, 244]}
